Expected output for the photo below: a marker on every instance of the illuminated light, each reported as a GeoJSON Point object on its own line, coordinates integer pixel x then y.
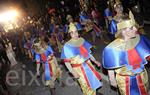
{"type": "Point", "coordinates": [9, 19]}
{"type": "Point", "coordinates": [8, 16]}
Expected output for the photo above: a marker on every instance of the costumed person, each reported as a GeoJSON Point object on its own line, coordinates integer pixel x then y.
{"type": "Point", "coordinates": [45, 55]}
{"type": "Point", "coordinates": [77, 56]}
{"type": "Point", "coordinates": [95, 15]}
{"type": "Point", "coordinates": [59, 37]}
{"type": "Point", "coordinates": [108, 15]}
{"type": "Point", "coordinates": [126, 57]}
{"type": "Point", "coordinates": [86, 22]}
{"type": "Point", "coordinates": [118, 8]}
{"type": "Point", "coordinates": [90, 26]}
{"type": "Point", "coordinates": [108, 12]}
{"type": "Point", "coordinates": [70, 20]}
{"type": "Point", "coordinates": [96, 20]}
{"type": "Point", "coordinates": [53, 35]}
{"type": "Point", "coordinates": [27, 44]}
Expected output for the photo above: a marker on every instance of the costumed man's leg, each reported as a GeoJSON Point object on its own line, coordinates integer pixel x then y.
{"type": "Point", "coordinates": [52, 87]}
{"type": "Point", "coordinates": [85, 89]}
{"type": "Point", "coordinates": [145, 81]}
{"type": "Point", "coordinates": [38, 69]}
{"type": "Point", "coordinates": [121, 82]}
{"type": "Point", "coordinates": [51, 82]}
{"type": "Point", "coordinates": [58, 72]}
{"type": "Point", "coordinates": [125, 86]}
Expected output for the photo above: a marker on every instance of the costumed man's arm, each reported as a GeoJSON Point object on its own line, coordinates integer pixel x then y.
{"type": "Point", "coordinates": [66, 55]}
{"type": "Point", "coordinates": [59, 71]}
{"type": "Point", "coordinates": [94, 60]}
{"type": "Point", "coordinates": [38, 67]}
{"type": "Point", "coordinates": [51, 56]}
{"type": "Point", "coordinates": [69, 67]}
{"type": "Point", "coordinates": [112, 79]}
{"type": "Point", "coordinates": [107, 60]}
{"type": "Point", "coordinates": [107, 17]}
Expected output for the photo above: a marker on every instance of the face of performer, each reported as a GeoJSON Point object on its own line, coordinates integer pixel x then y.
{"type": "Point", "coordinates": [119, 9]}
{"type": "Point", "coordinates": [70, 20]}
{"type": "Point", "coordinates": [129, 33]}
{"type": "Point", "coordinates": [74, 34]}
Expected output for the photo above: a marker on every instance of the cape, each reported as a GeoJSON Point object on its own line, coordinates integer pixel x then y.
{"type": "Point", "coordinates": [134, 58]}
{"type": "Point", "coordinates": [76, 47]}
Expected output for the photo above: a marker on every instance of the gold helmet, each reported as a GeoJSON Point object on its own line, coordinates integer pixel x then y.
{"type": "Point", "coordinates": [126, 23]}
{"type": "Point", "coordinates": [72, 27]}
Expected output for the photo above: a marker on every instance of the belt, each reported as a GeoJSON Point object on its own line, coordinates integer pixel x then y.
{"type": "Point", "coordinates": [133, 74]}
{"type": "Point", "coordinates": [79, 65]}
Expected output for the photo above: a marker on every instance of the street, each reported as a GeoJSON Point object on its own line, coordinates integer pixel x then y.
{"type": "Point", "coordinates": [23, 80]}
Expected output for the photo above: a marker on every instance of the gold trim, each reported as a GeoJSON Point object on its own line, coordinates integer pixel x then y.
{"type": "Point", "coordinates": [76, 42]}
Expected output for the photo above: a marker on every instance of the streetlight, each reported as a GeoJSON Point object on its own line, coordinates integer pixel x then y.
{"type": "Point", "coordinates": [8, 15]}
{"type": "Point", "coordinates": [9, 19]}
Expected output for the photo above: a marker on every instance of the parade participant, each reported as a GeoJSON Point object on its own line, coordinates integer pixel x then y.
{"type": "Point", "coordinates": [54, 35]}
{"type": "Point", "coordinates": [120, 15]}
{"type": "Point", "coordinates": [118, 8]}
{"type": "Point", "coordinates": [86, 22]}
{"type": "Point", "coordinates": [27, 44]}
{"type": "Point", "coordinates": [108, 13]}
{"type": "Point", "coordinates": [44, 54]}
{"type": "Point", "coordinates": [119, 12]}
{"type": "Point", "coordinates": [91, 27]}
{"type": "Point", "coordinates": [77, 56]}
{"type": "Point", "coordinates": [125, 59]}
{"type": "Point", "coordinates": [60, 38]}
{"type": "Point", "coordinates": [95, 16]}
{"type": "Point", "coordinates": [70, 20]}
{"type": "Point", "coordinates": [96, 19]}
